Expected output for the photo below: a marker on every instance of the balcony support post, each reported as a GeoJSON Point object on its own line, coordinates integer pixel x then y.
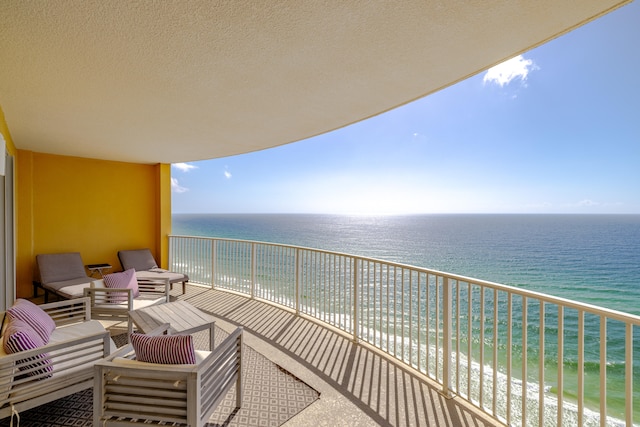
{"type": "Point", "coordinates": [447, 330]}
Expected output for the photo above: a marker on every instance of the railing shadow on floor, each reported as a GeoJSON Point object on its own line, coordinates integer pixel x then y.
{"type": "Point", "coordinates": [386, 391]}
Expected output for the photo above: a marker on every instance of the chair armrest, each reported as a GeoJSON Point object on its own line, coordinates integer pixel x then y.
{"type": "Point", "coordinates": [220, 371]}
{"type": "Point", "coordinates": [231, 344]}
{"type": "Point", "coordinates": [159, 288]}
{"type": "Point", "coordinates": [106, 297]}
{"type": "Point", "coordinates": [69, 311]}
{"type": "Point", "coordinates": [124, 351]}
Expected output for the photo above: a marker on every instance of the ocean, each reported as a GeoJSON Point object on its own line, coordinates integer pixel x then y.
{"type": "Point", "coordinates": [589, 258]}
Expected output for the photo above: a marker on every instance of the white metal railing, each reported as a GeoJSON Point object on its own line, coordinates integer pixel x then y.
{"type": "Point", "coordinates": [523, 357]}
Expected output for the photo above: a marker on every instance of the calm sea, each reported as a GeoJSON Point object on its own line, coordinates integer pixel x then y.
{"type": "Point", "coordinates": [589, 258]}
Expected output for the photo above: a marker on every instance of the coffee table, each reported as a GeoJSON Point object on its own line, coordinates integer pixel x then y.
{"type": "Point", "coordinates": [182, 317]}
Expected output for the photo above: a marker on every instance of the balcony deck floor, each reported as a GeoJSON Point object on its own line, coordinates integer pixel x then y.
{"type": "Point", "coordinates": [358, 385]}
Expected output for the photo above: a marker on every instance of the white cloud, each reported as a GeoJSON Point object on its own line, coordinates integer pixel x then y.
{"type": "Point", "coordinates": [176, 187]}
{"type": "Point", "coordinates": [585, 203]}
{"type": "Point", "coordinates": [184, 167]}
{"type": "Point", "coordinates": [227, 174]}
{"type": "Point", "coordinates": [505, 73]}
{"type": "Point", "coordinates": [588, 202]}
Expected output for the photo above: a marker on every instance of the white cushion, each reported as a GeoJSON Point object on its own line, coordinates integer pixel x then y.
{"type": "Point", "coordinates": [156, 274]}
{"type": "Point", "coordinates": [79, 330]}
{"type": "Point", "coordinates": [200, 356]}
{"type": "Point", "coordinates": [137, 303]}
{"type": "Point", "coordinates": [73, 291]}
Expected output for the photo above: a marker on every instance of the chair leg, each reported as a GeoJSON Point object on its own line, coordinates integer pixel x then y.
{"type": "Point", "coordinates": [184, 288]}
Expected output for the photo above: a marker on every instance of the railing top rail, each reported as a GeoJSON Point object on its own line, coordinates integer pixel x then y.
{"type": "Point", "coordinates": [567, 303]}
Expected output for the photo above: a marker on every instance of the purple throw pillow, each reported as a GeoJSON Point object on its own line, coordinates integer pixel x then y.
{"type": "Point", "coordinates": [164, 349]}
{"type": "Point", "coordinates": [20, 336]}
{"type": "Point", "coordinates": [123, 280]}
{"type": "Point", "coordinates": [34, 316]}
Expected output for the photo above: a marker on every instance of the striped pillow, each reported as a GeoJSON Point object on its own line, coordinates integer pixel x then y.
{"type": "Point", "coordinates": [20, 336]}
{"type": "Point", "coordinates": [164, 349]}
{"type": "Point", "coordinates": [123, 280]}
{"type": "Point", "coordinates": [33, 316]}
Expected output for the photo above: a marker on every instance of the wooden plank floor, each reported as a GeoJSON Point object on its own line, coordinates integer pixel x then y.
{"type": "Point", "coordinates": [358, 386]}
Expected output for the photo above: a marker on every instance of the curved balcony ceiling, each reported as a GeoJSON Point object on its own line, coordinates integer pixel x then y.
{"type": "Point", "coordinates": [177, 81]}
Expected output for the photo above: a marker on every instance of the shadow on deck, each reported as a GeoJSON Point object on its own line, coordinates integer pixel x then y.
{"type": "Point", "coordinates": [358, 386]}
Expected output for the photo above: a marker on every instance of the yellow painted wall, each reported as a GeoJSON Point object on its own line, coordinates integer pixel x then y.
{"type": "Point", "coordinates": [95, 207]}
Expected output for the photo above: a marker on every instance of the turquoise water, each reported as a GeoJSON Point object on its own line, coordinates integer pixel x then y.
{"type": "Point", "coordinates": [589, 258]}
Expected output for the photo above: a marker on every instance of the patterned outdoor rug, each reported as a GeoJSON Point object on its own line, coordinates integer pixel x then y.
{"type": "Point", "coordinates": [271, 397]}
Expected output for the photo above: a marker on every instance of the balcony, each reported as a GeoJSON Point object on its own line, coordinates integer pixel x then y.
{"type": "Point", "coordinates": [358, 385]}
{"type": "Point", "coordinates": [398, 345]}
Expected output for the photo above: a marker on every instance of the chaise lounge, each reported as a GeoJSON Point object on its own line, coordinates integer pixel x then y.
{"type": "Point", "coordinates": [62, 274]}
{"type": "Point", "coordinates": [147, 269]}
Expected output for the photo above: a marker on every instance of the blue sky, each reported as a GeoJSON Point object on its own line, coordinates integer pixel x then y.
{"type": "Point", "coordinates": [555, 130]}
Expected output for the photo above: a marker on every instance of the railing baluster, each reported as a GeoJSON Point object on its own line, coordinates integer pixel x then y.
{"type": "Point", "coordinates": [355, 304]}
{"type": "Point", "coordinates": [214, 265]}
{"type": "Point", "coordinates": [253, 270]}
{"type": "Point", "coordinates": [509, 354]}
{"type": "Point", "coordinates": [437, 328]}
{"type": "Point", "coordinates": [335, 288]}
{"type": "Point", "coordinates": [419, 323]}
{"type": "Point", "coordinates": [446, 338]}
{"type": "Point", "coordinates": [298, 273]}
{"type": "Point", "coordinates": [560, 363]}
{"type": "Point", "coordinates": [580, 394]}
{"type": "Point", "coordinates": [469, 340]}
{"type": "Point", "coordinates": [494, 396]}
{"type": "Point", "coordinates": [402, 318]}
{"type": "Point", "coordinates": [458, 336]}
{"type": "Point", "coordinates": [603, 371]}
{"type": "Point", "coordinates": [427, 321]}
{"type": "Point", "coordinates": [326, 288]}
{"type": "Point", "coordinates": [372, 266]}
{"type": "Point", "coordinates": [524, 361]}
{"type": "Point", "coordinates": [541, 366]}
{"type": "Point", "coordinates": [481, 362]}
{"type": "Point", "coordinates": [388, 314]}
{"type": "Point", "coordinates": [628, 374]}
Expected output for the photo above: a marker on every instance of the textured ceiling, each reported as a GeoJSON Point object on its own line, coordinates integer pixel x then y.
{"type": "Point", "coordinates": [175, 81]}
